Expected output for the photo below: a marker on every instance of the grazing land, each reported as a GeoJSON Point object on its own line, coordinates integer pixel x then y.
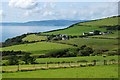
{"type": "Point", "coordinates": [34, 37]}
{"type": "Point", "coordinates": [111, 21]}
{"type": "Point", "coordinates": [109, 44]}
{"type": "Point", "coordinates": [78, 29]}
{"type": "Point", "coordinates": [37, 48]}
{"type": "Point", "coordinates": [90, 49]}
{"type": "Point", "coordinates": [108, 71]}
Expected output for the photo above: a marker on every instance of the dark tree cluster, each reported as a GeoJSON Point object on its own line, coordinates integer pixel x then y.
{"type": "Point", "coordinates": [116, 27]}
{"type": "Point", "coordinates": [7, 53]}
{"type": "Point", "coordinates": [14, 41]}
{"type": "Point", "coordinates": [71, 52]}
{"type": "Point", "coordinates": [15, 59]}
{"type": "Point", "coordinates": [17, 40]}
{"type": "Point", "coordinates": [85, 51]}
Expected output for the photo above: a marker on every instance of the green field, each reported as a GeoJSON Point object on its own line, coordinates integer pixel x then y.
{"type": "Point", "coordinates": [111, 21]}
{"type": "Point", "coordinates": [34, 37]}
{"type": "Point", "coordinates": [76, 30]}
{"type": "Point", "coordinates": [109, 71]}
{"type": "Point", "coordinates": [67, 59]}
{"type": "Point", "coordinates": [114, 35]}
{"type": "Point", "coordinates": [79, 28]}
{"type": "Point", "coordinates": [109, 44]}
{"type": "Point", "coordinates": [37, 48]}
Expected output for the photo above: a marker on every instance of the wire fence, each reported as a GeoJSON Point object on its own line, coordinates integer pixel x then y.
{"type": "Point", "coordinates": [57, 65]}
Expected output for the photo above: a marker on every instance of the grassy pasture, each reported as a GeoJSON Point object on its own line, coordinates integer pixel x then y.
{"type": "Point", "coordinates": [115, 35]}
{"type": "Point", "coordinates": [37, 48]}
{"type": "Point", "coordinates": [67, 59]}
{"type": "Point", "coordinates": [34, 37]}
{"type": "Point", "coordinates": [95, 43]}
{"type": "Point", "coordinates": [103, 22]}
{"type": "Point", "coordinates": [81, 27]}
{"type": "Point", "coordinates": [108, 71]}
{"type": "Point", "coordinates": [76, 30]}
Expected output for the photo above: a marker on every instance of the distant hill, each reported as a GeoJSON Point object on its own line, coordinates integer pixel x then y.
{"type": "Point", "coordinates": [43, 47]}
{"type": "Point", "coordinates": [44, 23]}
{"type": "Point", "coordinates": [78, 28]}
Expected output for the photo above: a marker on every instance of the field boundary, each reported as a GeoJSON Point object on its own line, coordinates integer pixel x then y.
{"type": "Point", "coordinates": [59, 65]}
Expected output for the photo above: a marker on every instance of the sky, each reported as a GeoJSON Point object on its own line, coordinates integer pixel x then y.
{"type": "Point", "coordinates": [37, 10]}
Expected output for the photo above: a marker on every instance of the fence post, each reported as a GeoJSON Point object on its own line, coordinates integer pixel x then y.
{"type": "Point", "coordinates": [34, 65]}
{"type": "Point", "coordinates": [47, 64]}
{"type": "Point", "coordinates": [58, 64]}
{"type": "Point", "coordinates": [18, 67]}
{"type": "Point", "coordinates": [105, 62]}
{"type": "Point", "coordinates": [94, 62]}
{"type": "Point", "coordinates": [70, 64]}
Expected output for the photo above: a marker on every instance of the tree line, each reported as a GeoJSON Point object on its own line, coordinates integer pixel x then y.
{"type": "Point", "coordinates": [14, 59]}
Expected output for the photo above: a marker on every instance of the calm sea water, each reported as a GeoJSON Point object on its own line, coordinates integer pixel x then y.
{"type": "Point", "coordinates": [12, 31]}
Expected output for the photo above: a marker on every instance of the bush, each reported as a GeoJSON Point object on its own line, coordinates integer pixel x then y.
{"type": "Point", "coordinates": [97, 52]}
{"type": "Point", "coordinates": [13, 60]}
{"type": "Point", "coordinates": [85, 51]}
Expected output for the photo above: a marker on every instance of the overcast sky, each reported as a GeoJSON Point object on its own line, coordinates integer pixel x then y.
{"type": "Point", "coordinates": [35, 10]}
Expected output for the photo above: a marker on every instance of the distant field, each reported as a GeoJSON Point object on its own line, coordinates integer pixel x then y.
{"type": "Point", "coordinates": [108, 71]}
{"type": "Point", "coordinates": [88, 58]}
{"type": "Point", "coordinates": [114, 35]}
{"type": "Point", "coordinates": [79, 28]}
{"type": "Point", "coordinates": [76, 30]}
{"type": "Point", "coordinates": [37, 48]}
{"type": "Point", "coordinates": [109, 44]}
{"type": "Point", "coordinates": [107, 21]}
{"type": "Point", "coordinates": [34, 37]}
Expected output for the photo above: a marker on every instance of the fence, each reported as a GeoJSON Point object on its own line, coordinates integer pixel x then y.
{"type": "Point", "coordinates": [57, 65]}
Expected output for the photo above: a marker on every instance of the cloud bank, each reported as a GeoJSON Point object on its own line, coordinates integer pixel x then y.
{"type": "Point", "coordinates": [29, 10]}
{"type": "Point", "coordinates": [24, 4]}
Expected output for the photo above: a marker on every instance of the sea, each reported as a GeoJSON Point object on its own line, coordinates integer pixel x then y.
{"type": "Point", "coordinates": [12, 31]}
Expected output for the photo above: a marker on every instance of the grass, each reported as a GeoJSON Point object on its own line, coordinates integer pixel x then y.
{"type": "Point", "coordinates": [67, 59]}
{"type": "Point", "coordinates": [114, 35]}
{"type": "Point", "coordinates": [94, 43]}
{"type": "Point", "coordinates": [37, 48]}
{"type": "Point", "coordinates": [79, 28]}
{"type": "Point", "coordinates": [109, 71]}
{"type": "Point", "coordinates": [34, 37]}
{"type": "Point", "coordinates": [76, 30]}
{"type": "Point", "coordinates": [103, 22]}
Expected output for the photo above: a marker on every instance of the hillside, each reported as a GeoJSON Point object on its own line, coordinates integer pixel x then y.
{"type": "Point", "coordinates": [99, 44]}
{"type": "Point", "coordinates": [110, 21]}
{"type": "Point", "coordinates": [37, 48]}
{"type": "Point", "coordinates": [79, 28]}
{"type": "Point", "coordinates": [74, 30]}
{"type": "Point", "coordinates": [34, 37]}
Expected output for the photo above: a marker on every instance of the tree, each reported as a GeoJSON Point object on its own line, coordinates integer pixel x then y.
{"type": "Point", "coordinates": [85, 51]}
{"type": "Point", "coordinates": [13, 60]}
{"type": "Point", "coordinates": [28, 59]}
{"type": "Point", "coordinates": [97, 52]}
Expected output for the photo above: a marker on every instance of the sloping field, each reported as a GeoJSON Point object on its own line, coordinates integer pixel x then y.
{"type": "Point", "coordinates": [110, 71]}
{"type": "Point", "coordinates": [76, 30]}
{"type": "Point", "coordinates": [109, 44]}
{"type": "Point", "coordinates": [79, 28]}
{"type": "Point", "coordinates": [34, 37]}
{"type": "Point", "coordinates": [37, 48]}
{"type": "Point", "coordinates": [103, 22]}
